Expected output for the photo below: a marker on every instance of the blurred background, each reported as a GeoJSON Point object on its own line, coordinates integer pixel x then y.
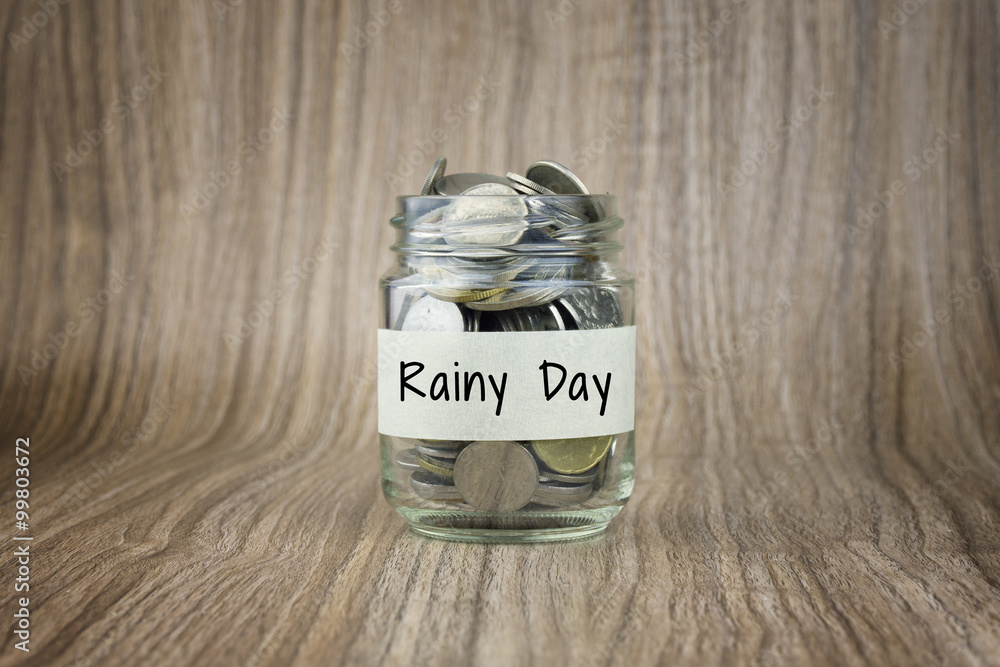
{"type": "Point", "coordinates": [194, 206]}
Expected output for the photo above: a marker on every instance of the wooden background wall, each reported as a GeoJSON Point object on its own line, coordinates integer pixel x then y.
{"type": "Point", "coordinates": [818, 462]}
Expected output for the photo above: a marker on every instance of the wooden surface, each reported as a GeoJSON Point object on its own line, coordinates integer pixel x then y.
{"type": "Point", "coordinates": [818, 478]}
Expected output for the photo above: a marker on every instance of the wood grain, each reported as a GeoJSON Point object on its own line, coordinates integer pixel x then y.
{"type": "Point", "coordinates": [818, 462]}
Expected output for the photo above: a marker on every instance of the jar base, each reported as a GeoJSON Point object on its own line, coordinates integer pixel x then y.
{"type": "Point", "coordinates": [521, 528]}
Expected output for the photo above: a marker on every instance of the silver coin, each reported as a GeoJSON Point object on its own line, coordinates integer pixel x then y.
{"type": "Point", "coordinates": [496, 220]}
{"type": "Point", "coordinates": [432, 451]}
{"type": "Point", "coordinates": [437, 171]}
{"type": "Point", "coordinates": [497, 321]}
{"type": "Point", "coordinates": [494, 235]}
{"type": "Point", "coordinates": [593, 308]}
{"type": "Point", "coordinates": [404, 307]}
{"type": "Point", "coordinates": [527, 187]}
{"type": "Point", "coordinates": [419, 206]}
{"type": "Point", "coordinates": [545, 475]}
{"type": "Point", "coordinates": [477, 262]}
{"type": "Point", "coordinates": [496, 476]}
{"type": "Point", "coordinates": [556, 494]}
{"type": "Point", "coordinates": [407, 460]}
{"type": "Point", "coordinates": [443, 444]}
{"type": "Point", "coordinates": [490, 190]}
{"type": "Point", "coordinates": [557, 488]}
{"type": "Point", "coordinates": [529, 319]}
{"type": "Point", "coordinates": [472, 318]}
{"type": "Point", "coordinates": [569, 235]}
{"type": "Point", "coordinates": [430, 314]}
{"type": "Point", "coordinates": [593, 209]}
{"type": "Point", "coordinates": [434, 460]}
{"type": "Point", "coordinates": [536, 318]}
{"type": "Point", "coordinates": [566, 492]}
{"type": "Point", "coordinates": [428, 221]}
{"type": "Point", "coordinates": [556, 177]}
{"type": "Point", "coordinates": [561, 213]}
{"type": "Point", "coordinates": [433, 487]}
{"type": "Point", "coordinates": [552, 319]}
{"type": "Point", "coordinates": [454, 185]}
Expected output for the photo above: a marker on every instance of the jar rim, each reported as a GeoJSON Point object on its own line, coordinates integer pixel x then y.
{"type": "Point", "coordinates": [493, 225]}
{"type": "Point", "coordinates": [406, 204]}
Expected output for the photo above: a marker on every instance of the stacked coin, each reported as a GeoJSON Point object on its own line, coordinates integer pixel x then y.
{"type": "Point", "coordinates": [504, 476]}
{"type": "Point", "coordinates": [475, 279]}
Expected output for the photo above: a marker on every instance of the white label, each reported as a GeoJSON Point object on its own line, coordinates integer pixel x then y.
{"type": "Point", "coordinates": [506, 385]}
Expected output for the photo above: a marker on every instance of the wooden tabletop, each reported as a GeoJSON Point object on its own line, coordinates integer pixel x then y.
{"type": "Point", "coordinates": [194, 219]}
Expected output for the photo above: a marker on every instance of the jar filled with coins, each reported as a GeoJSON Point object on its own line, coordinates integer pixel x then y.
{"type": "Point", "coordinates": [506, 358]}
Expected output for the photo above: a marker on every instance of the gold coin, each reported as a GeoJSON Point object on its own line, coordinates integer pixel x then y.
{"type": "Point", "coordinates": [463, 295]}
{"type": "Point", "coordinates": [488, 277]}
{"type": "Point", "coordinates": [571, 456]}
{"type": "Point", "coordinates": [434, 467]}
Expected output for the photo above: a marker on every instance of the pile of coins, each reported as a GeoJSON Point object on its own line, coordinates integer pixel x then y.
{"type": "Point", "coordinates": [475, 279]}
{"type": "Point", "coordinates": [504, 476]}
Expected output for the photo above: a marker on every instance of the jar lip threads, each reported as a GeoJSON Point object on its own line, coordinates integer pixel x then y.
{"type": "Point", "coordinates": [547, 211]}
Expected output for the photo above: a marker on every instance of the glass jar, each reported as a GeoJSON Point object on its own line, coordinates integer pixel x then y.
{"type": "Point", "coordinates": [506, 367]}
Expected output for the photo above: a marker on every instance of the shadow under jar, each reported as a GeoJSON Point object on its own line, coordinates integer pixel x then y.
{"type": "Point", "coordinates": [506, 361]}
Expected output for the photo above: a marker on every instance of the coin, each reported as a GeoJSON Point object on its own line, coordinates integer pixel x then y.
{"type": "Point", "coordinates": [493, 321]}
{"type": "Point", "coordinates": [593, 308]}
{"type": "Point", "coordinates": [538, 236]}
{"type": "Point", "coordinates": [526, 319]}
{"type": "Point", "coordinates": [602, 468]}
{"type": "Point", "coordinates": [493, 234]}
{"type": "Point", "coordinates": [433, 487]}
{"type": "Point", "coordinates": [490, 190]}
{"type": "Point", "coordinates": [407, 460]}
{"type": "Point", "coordinates": [443, 444]}
{"type": "Point", "coordinates": [439, 452]}
{"type": "Point", "coordinates": [561, 213]}
{"type": "Point", "coordinates": [454, 185]}
{"type": "Point", "coordinates": [564, 489]}
{"type": "Point", "coordinates": [496, 321]}
{"type": "Point", "coordinates": [551, 476]}
{"type": "Point", "coordinates": [572, 456]}
{"type": "Point", "coordinates": [550, 318]}
{"type": "Point", "coordinates": [403, 309]}
{"type": "Point", "coordinates": [440, 467]}
{"type": "Point", "coordinates": [560, 494]}
{"type": "Point", "coordinates": [429, 222]}
{"type": "Point", "coordinates": [522, 298]}
{"type": "Point", "coordinates": [496, 476]}
{"type": "Point", "coordinates": [463, 295]}
{"type": "Point", "coordinates": [525, 186]}
{"type": "Point", "coordinates": [430, 314]}
{"type": "Point", "coordinates": [437, 171]}
{"type": "Point", "coordinates": [496, 220]}
{"type": "Point", "coordinates": [472, 318]}
{"type": "Point", "coordinates": [539, 318]}
{"type": "Point", "coordinates": [557, 178]}
{"type": "Point", "coordinates": [486, 273]}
